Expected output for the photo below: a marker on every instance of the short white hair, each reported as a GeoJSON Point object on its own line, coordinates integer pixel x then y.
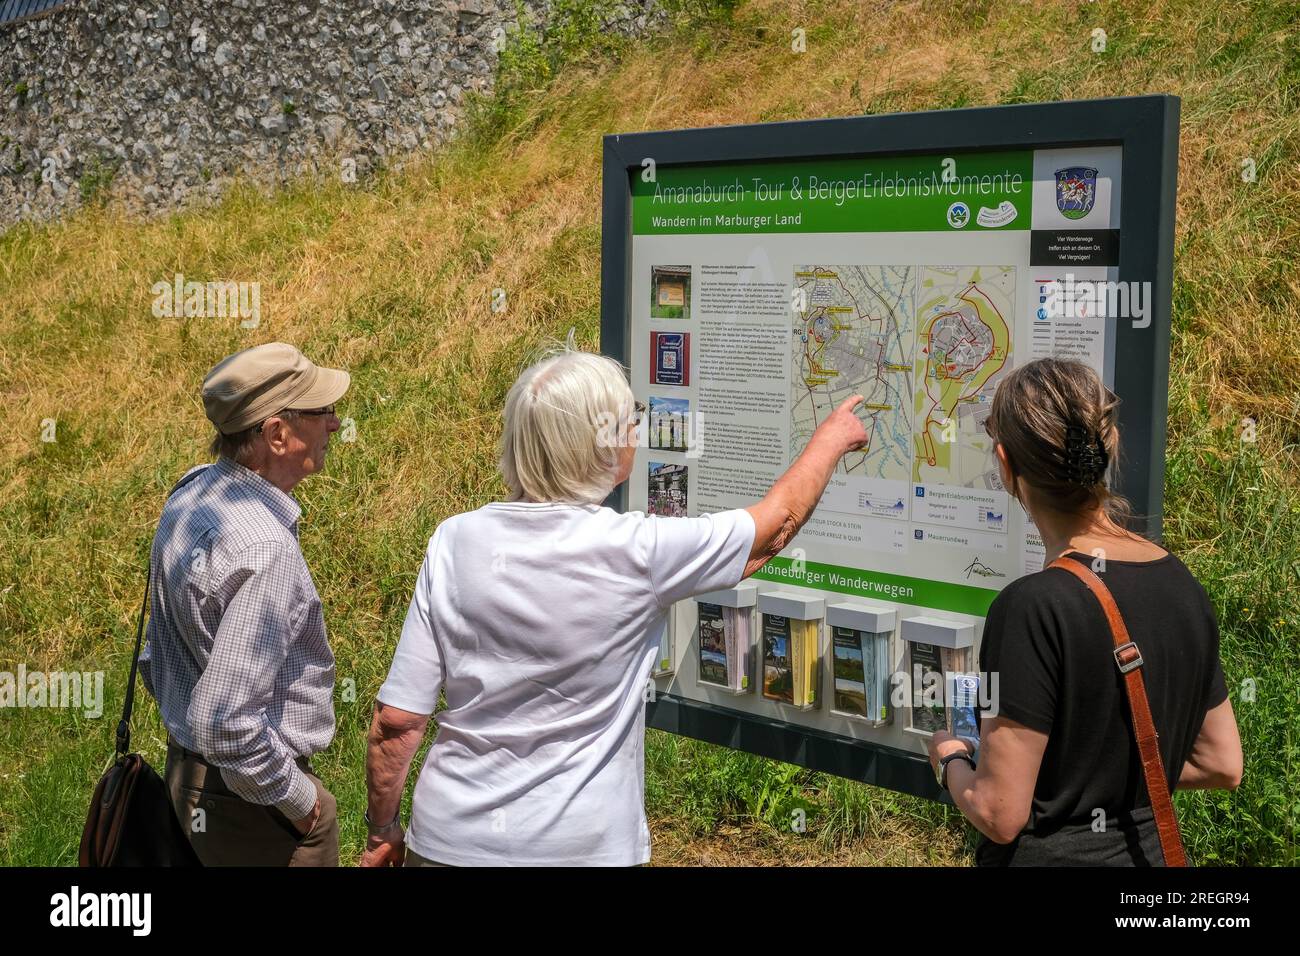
{"type": "Point", "coordinates": [564, 421]}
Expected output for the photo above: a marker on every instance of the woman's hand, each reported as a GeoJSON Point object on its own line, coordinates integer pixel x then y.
{"type": "Point", "coordinates": [780, 515]}
{"type": "Point", "coordinates": [843, 428]}
{"type": "Point", "coordinates": [395, 736]}
{"type": "Point", "coordinates": [942, 744]}
{"type": "Point", "coordinates": [388, 849]}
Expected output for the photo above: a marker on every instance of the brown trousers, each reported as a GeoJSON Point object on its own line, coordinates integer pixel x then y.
{"type": "Point", "coordinates": [227, 830]}
{"type": "Point", "coordinates": [414, 859]}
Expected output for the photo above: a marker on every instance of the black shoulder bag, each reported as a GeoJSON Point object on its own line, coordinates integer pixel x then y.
{"type": "Point", "coordinates": [131, 821]}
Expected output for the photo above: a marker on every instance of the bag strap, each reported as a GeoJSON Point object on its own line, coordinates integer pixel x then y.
{"type": "Point", "coordinates": [1129, 661]}
{"type": "Point", "coordinates": [124, 725]}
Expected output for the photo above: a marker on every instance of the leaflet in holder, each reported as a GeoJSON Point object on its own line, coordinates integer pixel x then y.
{"type": "Point", "coordinates": [791, 638]}
{"type": "Point", "coordinates": [727, 642]}
{"type": "Point", "coordinates": [861, 661]}
{"type": "Point", "coordinates": [939, 661]}
{"type": "Point", "coordinates": [665, 664]}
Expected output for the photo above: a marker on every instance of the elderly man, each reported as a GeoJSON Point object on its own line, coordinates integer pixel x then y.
{"type": "Point", "coordinates": [237, 656]}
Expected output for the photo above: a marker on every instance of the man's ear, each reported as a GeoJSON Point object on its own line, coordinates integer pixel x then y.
{"type": "Point", "coordinates": [276, 434]}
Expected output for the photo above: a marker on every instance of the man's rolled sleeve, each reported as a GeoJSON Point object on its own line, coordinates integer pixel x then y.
{"type": "Point", "coordinates": [302, 795]}
{"type": "Point", "coordinates": [228, 710]}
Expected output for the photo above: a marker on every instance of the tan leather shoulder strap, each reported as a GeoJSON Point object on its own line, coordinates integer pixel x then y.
{"type": "Point", "coordinates": [1129, 660]}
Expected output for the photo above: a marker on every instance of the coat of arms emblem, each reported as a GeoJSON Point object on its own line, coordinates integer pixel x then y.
{"type": "Point", "coordinates": [1076, 191]}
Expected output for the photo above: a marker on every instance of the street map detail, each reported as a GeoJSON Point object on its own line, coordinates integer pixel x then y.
{"type": "Point", "coordinates": [926, 347]}
{"type": "Point", "coordinates": [963, 351]}
{"type": "Point", "coordinates": [855, 335]}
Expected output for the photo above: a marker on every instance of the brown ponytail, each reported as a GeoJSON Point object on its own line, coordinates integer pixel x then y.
{"type": "Point", "coordinates": [1058, 425]}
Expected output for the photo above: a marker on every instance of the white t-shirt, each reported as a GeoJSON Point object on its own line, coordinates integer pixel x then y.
{"type": "Point", "coordinates": [542, 622]}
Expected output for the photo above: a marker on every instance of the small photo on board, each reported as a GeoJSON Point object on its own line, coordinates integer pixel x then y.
{"type": "Point", "coordinates": [667, 425]}
{"type": "Point", "coordinates": [670, 292]}
{"type": "Point", "coordinates": [666, 494]}
{"type": "Point", "coordinates": [670, 358]}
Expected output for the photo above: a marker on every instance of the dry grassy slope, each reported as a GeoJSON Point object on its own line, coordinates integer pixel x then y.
{"type": "Point", "coordinates": [393, 279]}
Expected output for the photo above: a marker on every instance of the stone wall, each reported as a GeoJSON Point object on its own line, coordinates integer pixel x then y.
{"type": "Point", "coordinates": [159, 103]}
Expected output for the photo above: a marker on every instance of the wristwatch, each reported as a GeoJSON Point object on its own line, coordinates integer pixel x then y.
{"type": "Point", "coordinates": [374, 831]}
{"type": "Point", "coordinates": [941, 771]}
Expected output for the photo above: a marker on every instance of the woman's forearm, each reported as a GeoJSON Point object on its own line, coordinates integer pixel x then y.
{"type": "Point", "coordinates": [998, 797]}
{"type": "Point", "coordinates": [785, 509]}
{"type": "Point", "coordinates": [798, 491]}
{"type": "Point", "coordinates": [969, 798]}
{"type": "Point", "coordinates": [394, 738]}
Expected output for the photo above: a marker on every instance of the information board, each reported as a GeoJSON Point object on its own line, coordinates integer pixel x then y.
{"type": "Point", "coordinates": [754, 277]}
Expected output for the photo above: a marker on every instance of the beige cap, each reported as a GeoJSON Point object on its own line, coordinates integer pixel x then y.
{"type": "Point", "coordinates": [251, 386]}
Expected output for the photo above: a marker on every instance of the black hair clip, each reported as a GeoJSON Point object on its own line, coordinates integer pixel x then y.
{"type": "Point", "coordinates": [1085, 456]}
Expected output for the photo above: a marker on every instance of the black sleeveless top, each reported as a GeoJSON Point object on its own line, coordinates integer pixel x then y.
{"type": "Point", "coordinates": [1047, 640]}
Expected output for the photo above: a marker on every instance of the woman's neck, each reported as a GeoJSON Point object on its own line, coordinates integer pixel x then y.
{"type": "Point", "coordinates": [1088, 533]}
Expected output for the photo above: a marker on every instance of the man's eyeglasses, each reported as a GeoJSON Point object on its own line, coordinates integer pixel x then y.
{"type": "Point", "coordinates": [327, 410]}
{"type": "Point", "coordinates": [638, 411]}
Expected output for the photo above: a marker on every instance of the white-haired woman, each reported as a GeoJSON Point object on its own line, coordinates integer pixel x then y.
{"type": "Point", "coordinates": [539, 618]}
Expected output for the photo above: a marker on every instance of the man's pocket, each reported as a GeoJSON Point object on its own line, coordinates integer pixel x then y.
{"type": "Point", "coordinates": [226, 830]}
{"type": "Point", "coordinates": [320, 847]}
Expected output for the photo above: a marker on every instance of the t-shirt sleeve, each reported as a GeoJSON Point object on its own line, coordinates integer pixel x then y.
{"type": "Point", "coordinates": [688, 556]}
{"type": "Point", "coordinates": [415, 677]}
{"type": "Point", "coordinates": [1019, 648]}
{"type": "Point", "coordinates": [1216, 687]}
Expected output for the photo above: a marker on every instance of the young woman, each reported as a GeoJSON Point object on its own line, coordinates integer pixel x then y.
{"type": "Point", "coordinates": [1058, 780]}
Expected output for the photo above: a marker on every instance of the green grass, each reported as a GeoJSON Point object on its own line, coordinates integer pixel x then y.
{"type": "Point", "coordinates": [392, 278]}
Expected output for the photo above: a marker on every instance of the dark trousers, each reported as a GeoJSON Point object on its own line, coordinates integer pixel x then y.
{"type": "Point", "coordinates": [227, 830]}
{"type": "Point", "coordinates": [414, 859]}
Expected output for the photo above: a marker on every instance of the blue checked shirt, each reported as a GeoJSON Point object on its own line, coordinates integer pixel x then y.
{"type": "Point", "coordinates": [237, 656]}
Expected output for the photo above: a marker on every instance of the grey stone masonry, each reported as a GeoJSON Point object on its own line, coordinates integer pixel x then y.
{"type": "Point", "coordinates": [164, 104]}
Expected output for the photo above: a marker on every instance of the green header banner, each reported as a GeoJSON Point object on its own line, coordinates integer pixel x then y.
{"type": "Point", "coordinates": [968, 192]}
{"type": "Point", "coordinates": [961, 598]}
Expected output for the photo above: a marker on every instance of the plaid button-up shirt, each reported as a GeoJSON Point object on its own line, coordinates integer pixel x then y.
{"type": "Point", "coordinates": [237, 656]}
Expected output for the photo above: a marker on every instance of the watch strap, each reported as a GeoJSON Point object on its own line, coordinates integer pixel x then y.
{"type": "Point", "coordinates": [943, 766]}
{"type": "Point", "coordinates": [378, 830]}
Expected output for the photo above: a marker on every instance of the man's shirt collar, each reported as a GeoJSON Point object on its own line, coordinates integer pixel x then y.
{"type": "Point", "coordinates": [281, 504]}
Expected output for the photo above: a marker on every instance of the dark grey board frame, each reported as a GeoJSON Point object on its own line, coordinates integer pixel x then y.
{"type": "Point", "coordinates": [1146, 127]}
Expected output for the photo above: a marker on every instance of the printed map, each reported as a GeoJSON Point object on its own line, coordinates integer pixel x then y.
{"type": "Point", "coordinates": [854, 333]}
{"type": "Point", "coordinates": [963, 351]}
